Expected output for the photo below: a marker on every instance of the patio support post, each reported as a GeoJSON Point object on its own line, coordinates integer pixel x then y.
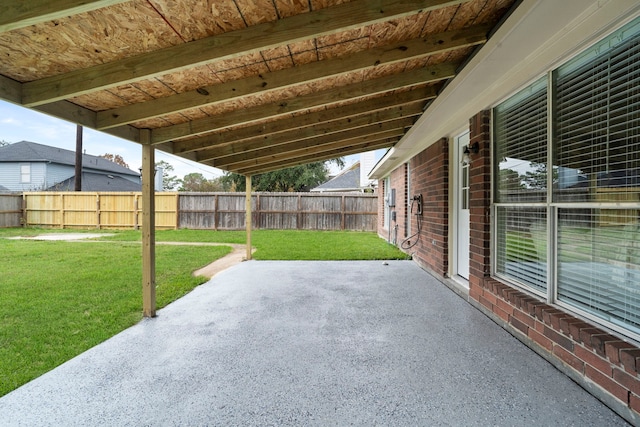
{"type": "Point", "coordinates": [248, 214]}
{"type": "Point", "coordinates": [148, 226]}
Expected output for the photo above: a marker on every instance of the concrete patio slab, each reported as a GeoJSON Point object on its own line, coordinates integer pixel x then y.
{"type": "Point", "coordinates": [310, 343]}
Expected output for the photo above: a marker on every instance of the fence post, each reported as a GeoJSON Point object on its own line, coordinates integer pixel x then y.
{"type": "Point", "coordinates": [215, 212]}
{"type": "Point", "coordinates": [343, 207]}
{"type": "Point", "coordinates": [299, 215]}
{"type": "Point", "coordinates": [24, 221]}
{"type": "Point", "coordinates": [248, 214]}
{"type": "Point", "coordinates": [62, 210]}
{"type": "Point", "coordinates": [177, 211]}
{"type": "Point", "coordinates": [98, 211]}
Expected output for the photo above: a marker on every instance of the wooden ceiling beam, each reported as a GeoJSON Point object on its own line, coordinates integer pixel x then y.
{"type": "Point", "coordinates": [370, 106]}
{"type": "Point", "coordinates": [215, 94]}
{"type": "Point", "coordinates": [223, 46]}
{"type": "Point", "coordinates": [282, 152]}
{"type": "Point", "coordinates": [16, 14]}
{"type": "Point", "coordinates": [316, 157]}
{"type": "Point", "coordinates": [301, 103]}
{"type": "Point", "coordinates": [325, 132]}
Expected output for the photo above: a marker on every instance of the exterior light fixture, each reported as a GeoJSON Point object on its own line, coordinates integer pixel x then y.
{"type": "Point", "coordinates": [468, 150]}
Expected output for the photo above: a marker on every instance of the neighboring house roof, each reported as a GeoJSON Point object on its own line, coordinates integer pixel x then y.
{"type": "Point", "coordinates": [25, 151]}
{"type": "Point", "coordinates": [98, 182]}
{"type": "Point", "coordinates": [4, 189]}
{"type": "Point", "coordinates": [347, 180]}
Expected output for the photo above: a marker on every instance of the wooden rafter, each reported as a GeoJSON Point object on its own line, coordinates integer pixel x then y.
{"type": "Point", "coordinates": [297, 123]}
{"type": "Point", "coordinates": [268, 166]}
{"type": "Point", "coordinates": [21, 13]}
{"type": "Point", "coordinates": [258, 152]}
{"type": "Point", "coordinates": [322, 132]}
{"type": "Point", "coordinates": [326, 97]}
{"type": "Point", "coordinates": [224, 46]}
{"type": "Point", "coordinates": [210, 95]}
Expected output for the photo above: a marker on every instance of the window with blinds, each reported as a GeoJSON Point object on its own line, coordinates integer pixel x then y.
{"type": "Point", "coordinates": [599, 263]}
{"type": "Point", "coordinates": [594, 203]}
{"type": "Point", "coordinates": [522, 245]}
{"type": "Point", "coordinates": [520, 133]}
{"type": "Point", "coordinates": [597, 122]}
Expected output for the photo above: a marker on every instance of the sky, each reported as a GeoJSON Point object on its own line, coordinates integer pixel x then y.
{"type": "Point", "coordinates": [21, 124]}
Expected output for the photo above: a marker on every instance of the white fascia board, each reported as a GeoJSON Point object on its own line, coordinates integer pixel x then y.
{"type": "Point", "coordinates": [538, 36]}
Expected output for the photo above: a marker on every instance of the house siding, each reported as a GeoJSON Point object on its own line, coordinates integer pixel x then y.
{"type": "Point", "coordinates": [10, 176]}
{"type": "Point", "coordinates": [58, 173]}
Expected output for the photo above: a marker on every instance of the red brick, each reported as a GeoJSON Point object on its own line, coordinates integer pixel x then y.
{"type": "Point", "coordinates": [607, 383]}
{"type": "Point", "coordinates": [475, 293]}
{"type": "Point", "coordinates": [547, 313]}
{"type": "Point", "coordinates": [566, 322]}
{"type": "Point", "coordinates": [575, 328]}
{"type": "Point", "coordinates": [501, 313]}
{"type": "Point", "coordinates": [634, 403]}
{"type": "Point", "coordinates": [593, 359]}
{"type": "Point", "coordinates": [486, 303]}
{"type": "Point", "coordinates": [631, 382]}
{"type": "Point", "coordinates": [558, 338]}
{"type": "Point", "coordinates": [504, 306]}
{"type": "Point", "coordinates": [540, 339]}
{"type": "Point", "coordinates": [585, 336]}
{"type": "Point", "coordinates": [524, 318]}
{"type": "Point", "coordinates": [612, 350]}
{"type": "Point", "coordinates": [629, 359]}
{"type": "Point", "coordinates": [521, 326]}
{"type": "Point", "coordinates": [540, 310]}
{"type": "Point", "coordinates": [555, 318]}
{"type": "Point", "coordinates": [598, 342]}
{"type": "Point", "coordinates": [568, 358]}
{"type": "Point", "coordinates": [490, 297]}
{"type": "Point", "coordinates": [532, 307]}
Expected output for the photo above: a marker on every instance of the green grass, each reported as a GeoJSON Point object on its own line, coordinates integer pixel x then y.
{"type": "Point", "coordinates": [288, 244]}
{"type": "Point", "coordinates": [58, 299]}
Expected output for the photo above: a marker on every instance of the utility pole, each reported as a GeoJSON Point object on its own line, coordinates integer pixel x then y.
{"type": "Point", "coordinates": [78, 178]}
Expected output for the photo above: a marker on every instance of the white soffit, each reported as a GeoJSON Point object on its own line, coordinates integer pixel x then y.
{"type": "Point", "coordinates": [539, 35]}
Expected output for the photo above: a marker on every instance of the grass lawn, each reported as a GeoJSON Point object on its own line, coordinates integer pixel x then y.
{"type": "Point", "coordinates": [58, 299]}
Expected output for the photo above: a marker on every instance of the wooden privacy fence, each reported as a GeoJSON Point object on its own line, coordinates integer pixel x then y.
{"type": "Point", "coordinates": [10, 210]}
{"type": "Point", "coordinates": [214, 211]}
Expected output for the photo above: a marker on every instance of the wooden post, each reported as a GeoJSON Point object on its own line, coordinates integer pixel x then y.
{"type": "Point", "coordinates": [148, 226]}
{"type": "Point", "coordinates": [248, 214]}
{"type": "Point", "coordinates": [78, 169]}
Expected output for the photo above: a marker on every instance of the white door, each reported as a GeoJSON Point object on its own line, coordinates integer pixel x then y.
{"type": "Point", "coordinates": [462, 209]}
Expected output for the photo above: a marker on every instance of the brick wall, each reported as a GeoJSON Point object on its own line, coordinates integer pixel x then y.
{"type": "Point", "coordinates": [429, 176]}
{"type": "Point", "coordinates": [603, 363]}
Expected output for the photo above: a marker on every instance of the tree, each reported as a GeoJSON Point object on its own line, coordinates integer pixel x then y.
{"type": "Point", "coordinates": [115, 158]}
{"type": "Point", "coordinates": [3, 143]}
{"type": "Point", "coordinates": [197, 182]}
{"type": "Point", "coordinates": [169, 182]}
{"type": "Point", "coordinates": [297, 178]}
{"type": "Point", "coordinates": [536, 178]}
{"type": "Point", "coordinates": [510, 180]}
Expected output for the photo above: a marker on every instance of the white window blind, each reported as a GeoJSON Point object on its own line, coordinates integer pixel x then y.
{"type": "Point", "coordinates": [599, 263]}
{"type": "Point", "coordinates": [520, 134]}
{"type": "Point", "coordinates": [597, 122]}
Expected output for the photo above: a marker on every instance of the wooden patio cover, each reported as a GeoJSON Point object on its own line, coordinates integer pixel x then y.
{"type": "Point", "coordinates": [247, 86]}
